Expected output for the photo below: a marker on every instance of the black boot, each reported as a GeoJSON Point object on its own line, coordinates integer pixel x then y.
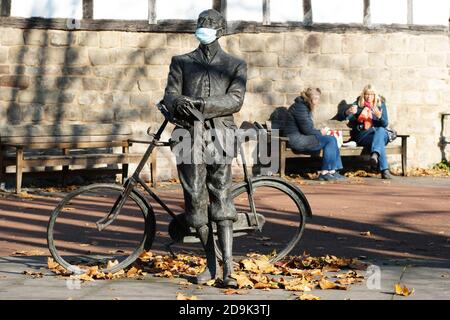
{"type": "Point", "coordinates": [386, 174]}
{"type": "Point", "coordinates": [225, 234]}
{"type": "Point", "coordinates": [374, 160]}
{"type": "Point", "coordinates": [206, 238]}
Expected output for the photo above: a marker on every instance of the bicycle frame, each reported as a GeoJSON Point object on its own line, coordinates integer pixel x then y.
{"type": "Point", "coordinates": [131, 182]}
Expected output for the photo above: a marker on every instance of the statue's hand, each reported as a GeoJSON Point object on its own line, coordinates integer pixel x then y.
{"type": "Point", "coordinates": [198, 103]}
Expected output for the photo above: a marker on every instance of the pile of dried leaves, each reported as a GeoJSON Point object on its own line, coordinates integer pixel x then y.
{"type": "Point", "coordinates": [294, 273]}
{"type": "Point", "coordinates": [429, 172]}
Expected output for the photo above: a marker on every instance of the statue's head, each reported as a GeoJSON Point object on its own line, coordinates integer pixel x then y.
{"type": "Point", "coordinates": [211, 25]}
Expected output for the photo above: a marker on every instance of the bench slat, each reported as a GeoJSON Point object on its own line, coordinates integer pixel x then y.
{"type": "Point", "coordinates": [65, 130]}
{"type": "Point", "coordinates": [78, 159]}
{"type": "Point", "coordinates": [56, 141]}
{"type": "Point", "coordinates": [74, 145]}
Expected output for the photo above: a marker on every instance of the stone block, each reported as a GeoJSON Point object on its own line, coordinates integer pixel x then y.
{"type": "Point", "coordinates": [46, 97]}
{"type": "Point", "coordinates": [62, 38]}
{"type": "Point", "coordinates": [437, 59]}
{"type": "Point", "coordinates": [260, 59]}
{"type": "Point", "coordinates": [140, 100]}
{"type": "Point", "coordinates": [4, 69]}
{"type": "Point", "coordinates": [12, 37]}
{"type": "Point", "coordinates": [88, 98]}
{"type": "Point", "coordinates": [62, 112]}
{"type": "Point", "coordinates": [395, 60]}
{"type": "Point", "coordinates": [291, 74]}
{"type": "Point", "coordinates": [292, 61]}
{"type": "Point", "coordinates": [32, 112]}
{"type": "Point", "coordinates": [99, 57]}
{"type": "Point", "coordinates": [294, 44]}
{"type": "Point", "coordinates": [120, 99]}
{"type": "Point", "coordinates": [109, 39]}
{"type": "Point", "coordinates": [44, 82]}
{"type": "Point", "coordinates": [126, 56]}
{"type": "Point", "coordinates": [271, 73]}
{"type": "Point", "coordinates": [14, 113]}
{"type": "Point", "coordinates": [124, 84]}
{"type": "Point", "coordinates": [274, 99]}
{"type": "Point", "coordinates": [158, 56]}
{"type": "Point", "coordinates": [313, 42]}
{"type": "Point", "coordinates": [398, 42]}
{"type": "Point", "coordinates": [353, 43]}
{"type": "Point", "coordinates": [20, 82]}
{"type": "Point", "coordinates": [416, 44]}
{"type": "Point", "coordinates": [8, 94]}
{"type": "Point", "coordinates": [109, 72]}
{"type": "Point", "coordinates": [148, 84]}
{"type": "Point", "coordinates": [36, 37]}
{"type": "Point", "coordinates": [251, 43]}
{"type": "Point", "coordinates": [153, 40]}
{"type": "Point", "coordinates": [173, 40]}
{"type": "Point", "coordinates": [258, 85]}
{"type": "Point", "coordinates": [331, 44]}
{"type": "Point", "coordinates": [360, 60]}
{"type": "Point", "coordinates": [376, 60]}
{"type": "Point", "coordinates": [288, 86]}
{"type": "Point", "coordinates": [76, 71]}
{"type": "Point", "coordinates": [130, 39]}
{"type": "Point", "coordinates": [74, 83]}
{"type": "Point", "coordinates": [88, 39]}
{"type": "Point", "coordinates": [54, 56]}
{"type": "Point", "coordinates": [376, 44]}
{"type": "Point", "coordinates": [95, 84]}
{"type": "Point", "coordinates": [3, 54]}
{"type": "Point", "coordinates": [98, 115]}
{"type": "Point", "coordinates": [30, 56]}
{"type": "Point", "coordinates": [76, 56]}
{"type": "Point", "coordinates": [127, 114]}
{"type": "Point", "coordinates": [436, 44]}
{"type": "Point", "coordinates": [275, 43]}
{"type": "Point", "coordinates": [253, 72]}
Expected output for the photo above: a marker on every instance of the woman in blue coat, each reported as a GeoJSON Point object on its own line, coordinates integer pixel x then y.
{"type": "Point", "coordinates": [304, 137]}
{"type": "Point", "coordinates": [368, 120]}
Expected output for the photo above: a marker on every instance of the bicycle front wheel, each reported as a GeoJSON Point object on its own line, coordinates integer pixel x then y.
{"type": "Point", "coordinates": [284, 208]}
{"type": "Point", "coordinates": [76, 243]}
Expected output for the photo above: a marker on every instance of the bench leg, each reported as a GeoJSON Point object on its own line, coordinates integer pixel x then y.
{"type": "Point", "coordinates": [19, 168]}
{"type": "Point", "coordinates": [65, 169]}
{"type": "Point", "coordinates": [1, 165]}
{"type": "Point", "coordinates": [125, 149]}
{"type": "Point", "coordinates": [404, 157]}
{"type": "Point", "coordinates": [282, 158]}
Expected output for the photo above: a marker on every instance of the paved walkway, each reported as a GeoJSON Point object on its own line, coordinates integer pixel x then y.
{"type": "Point", "coordinates": [408, 220]}
{"type": "Point", "coordinates": [430, 281]}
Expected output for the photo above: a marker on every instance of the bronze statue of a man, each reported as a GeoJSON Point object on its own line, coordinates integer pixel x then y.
{"type": "Point", "coordinates": [214, 82]}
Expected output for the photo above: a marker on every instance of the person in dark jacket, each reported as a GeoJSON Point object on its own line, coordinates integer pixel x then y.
{"type": "Point", "coordinates": [215, 83]}
{"type": "Point", "coordinates": [368, 119]}
{"type": "Point", "coordinates": [304, 137]}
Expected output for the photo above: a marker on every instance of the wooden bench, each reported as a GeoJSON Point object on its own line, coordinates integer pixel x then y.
{"type": "Point", "coordinates": [392, 148]}
{"type": "Point", "coordinates": [80, 145]}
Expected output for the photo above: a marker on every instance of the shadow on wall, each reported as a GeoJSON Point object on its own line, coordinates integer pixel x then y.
{"type": "Point", "coordinates": [53, 80]}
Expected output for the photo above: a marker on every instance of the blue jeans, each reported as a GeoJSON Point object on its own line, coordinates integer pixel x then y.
{"type": "Point", "coordinates": [376, 138]}
{"type": "Point", "coordinates": [331, 155]}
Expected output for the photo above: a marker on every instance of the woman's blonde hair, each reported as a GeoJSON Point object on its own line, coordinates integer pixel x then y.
{"type": "Point", "coordinates": [376, 99]}
{"type": "Point", "coordinates": [307, 96]}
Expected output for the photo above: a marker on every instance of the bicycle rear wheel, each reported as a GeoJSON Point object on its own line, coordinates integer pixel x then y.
{"type": "Point", "coordinates": [284, 208]}
{"type": "Point", "coordinates": [76, 243]}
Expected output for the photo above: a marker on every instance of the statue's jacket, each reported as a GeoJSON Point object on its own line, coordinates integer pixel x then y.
{"type": "Point", "coordinates": [221, 82]}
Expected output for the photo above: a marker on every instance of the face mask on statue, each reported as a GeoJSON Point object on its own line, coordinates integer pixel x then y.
{"type": "Point", "coordinates": [205, 35]}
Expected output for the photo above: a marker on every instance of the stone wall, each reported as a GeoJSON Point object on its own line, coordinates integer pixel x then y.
{"type": "Point", "coordinates": [50, 76]}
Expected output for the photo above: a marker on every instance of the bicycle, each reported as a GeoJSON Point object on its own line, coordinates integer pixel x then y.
{"type": "Point", "coordinates": [97, 219]}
